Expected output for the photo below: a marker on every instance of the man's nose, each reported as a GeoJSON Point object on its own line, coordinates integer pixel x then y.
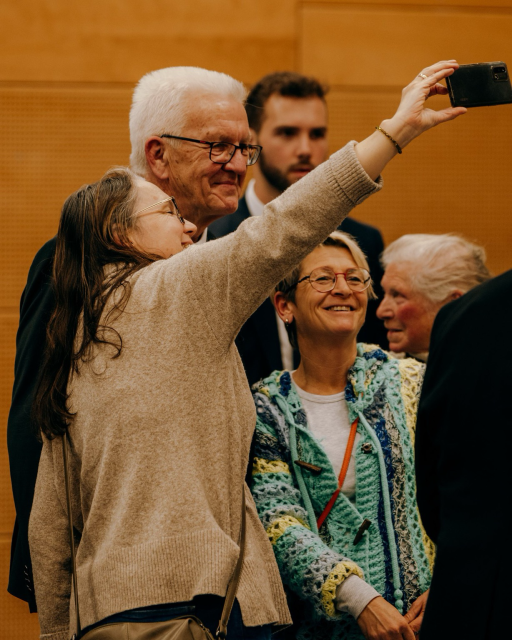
{"type": "Point", "coordinates": [384, 310]}
{"type": "Point", "coordinates": [238, 163]}
{"type": "Point", "coordinates": [304, 145]}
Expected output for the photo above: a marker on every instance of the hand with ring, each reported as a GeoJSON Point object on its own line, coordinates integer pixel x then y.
{"type": "Point", "coordinates": [412, 118]}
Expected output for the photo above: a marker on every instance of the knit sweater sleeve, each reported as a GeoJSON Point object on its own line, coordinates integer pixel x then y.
{"type": "Point", "coordinates": [51, 557]}
{"type": "Point", "coordinates": [231, 277]}
{"type": "Point", "coordinates": [307, 565]}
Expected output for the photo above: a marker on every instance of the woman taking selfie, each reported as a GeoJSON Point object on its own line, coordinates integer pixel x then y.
{"type": "Point", "coordinates": [333, 476]}
{"type": "Point", "coordinates": [143, 375]}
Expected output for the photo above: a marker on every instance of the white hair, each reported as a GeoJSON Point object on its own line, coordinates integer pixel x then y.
{"type": "Point", "coordinates": [438, 264]}
{"type": "Point", "coordinates": [160, 104]}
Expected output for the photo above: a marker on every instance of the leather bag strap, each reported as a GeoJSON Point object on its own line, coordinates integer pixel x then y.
{"type": "Point", "coordinates": [233, 583]}
{"type": "Point", "coordinates": [65, 441]}
{"type": "Point", "coordinates": [235, 578]}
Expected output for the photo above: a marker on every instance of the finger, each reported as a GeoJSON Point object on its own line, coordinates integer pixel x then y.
{"type": "Point", "coordinates": [408, 634]}
{"type": "Point", "coordinates": [416, 624]}
{"type": "Point", "coordinates": [414, 611]}
{"type": "Point", "coordinates": [443, 64]}
{"type": "Point", "coordinates": [438, 89]}
{"type": "Point", "coordinates": [448, 114]}
{"type": "Point", "coordinates": [436, 77]}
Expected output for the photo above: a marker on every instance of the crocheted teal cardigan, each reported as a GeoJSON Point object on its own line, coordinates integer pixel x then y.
{"type": "Point", "coordinates": [394, 554]}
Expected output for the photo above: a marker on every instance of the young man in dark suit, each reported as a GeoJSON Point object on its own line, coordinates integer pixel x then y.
{"type": "Point", "coordinates": [288, 117]}
{"type": "Point", "coordinates": [463, 459]}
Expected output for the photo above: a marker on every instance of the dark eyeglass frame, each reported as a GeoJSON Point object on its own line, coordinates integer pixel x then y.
{"type": "Point", "coordinates": [366, 282]}
{"type": "Point", "coordinates": [242, 146]}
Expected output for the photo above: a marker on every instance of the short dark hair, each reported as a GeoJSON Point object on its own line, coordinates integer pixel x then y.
{"type": "Point", "coordinates": [284, 83]}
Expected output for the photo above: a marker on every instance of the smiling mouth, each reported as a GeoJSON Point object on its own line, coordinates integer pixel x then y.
{"type": "Point", "coordinates": [339, 307]}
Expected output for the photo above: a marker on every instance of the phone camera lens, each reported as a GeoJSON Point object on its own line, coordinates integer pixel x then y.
{"type": "Point", "coordinates": [496, 76]}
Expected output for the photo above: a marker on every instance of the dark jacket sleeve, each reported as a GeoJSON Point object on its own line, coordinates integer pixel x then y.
{"type": "Point", "coordinates": [36, 305]}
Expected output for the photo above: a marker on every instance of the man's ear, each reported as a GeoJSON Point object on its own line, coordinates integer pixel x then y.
{"type": "Point", "coordinates": [454, 295]}
{"type": "Point", "coordinates": [154, 148]}
{"type": "Point", "coordinates": [254, 136]}
{"type": "Point", "coordinates": [283, 307]}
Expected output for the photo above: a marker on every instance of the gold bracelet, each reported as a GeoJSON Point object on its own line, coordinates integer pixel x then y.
{"type": "Point", "coordinates": [398, 147]}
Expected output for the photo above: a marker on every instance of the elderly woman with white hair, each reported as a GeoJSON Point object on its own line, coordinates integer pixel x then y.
{"type": "Point", "coordinates": [423, 272]}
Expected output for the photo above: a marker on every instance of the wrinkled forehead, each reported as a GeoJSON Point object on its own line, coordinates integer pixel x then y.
{"type": "Point", "coordinates": [216, 117]}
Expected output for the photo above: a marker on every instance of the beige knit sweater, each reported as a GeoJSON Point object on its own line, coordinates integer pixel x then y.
{"type": "Point", "coordinates": [161, 438]}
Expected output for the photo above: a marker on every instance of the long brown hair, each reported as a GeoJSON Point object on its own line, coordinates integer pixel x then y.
{"type": "Point", "coordinates": [93, 233]}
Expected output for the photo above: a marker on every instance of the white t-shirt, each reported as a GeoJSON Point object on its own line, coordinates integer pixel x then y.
{"type": "Point", "coordinates": [328, 421]}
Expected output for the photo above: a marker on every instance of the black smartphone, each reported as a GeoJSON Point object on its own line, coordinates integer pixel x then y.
{"type": "Point", "coordinates": [480, 85]}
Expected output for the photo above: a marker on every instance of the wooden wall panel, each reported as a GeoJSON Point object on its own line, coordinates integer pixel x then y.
{"type": "Point", "coordinates": [379, 46]}
{"type": "Point", "coordinates": [119, 41]}
{"type": "Point", "coordinates": [455, 178]}
{"type": "Point", "coordinates": [442, 4]}
{"type": "Point", "coordinates": [53, 139]}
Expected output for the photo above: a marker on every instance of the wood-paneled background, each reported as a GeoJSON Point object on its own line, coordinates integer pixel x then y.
{"type": "Point", "coordinates": [67, 70]}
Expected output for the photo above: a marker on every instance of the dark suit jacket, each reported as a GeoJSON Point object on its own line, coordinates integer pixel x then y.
{"type": "Point", "coordinates": [463, 460]}
{"type": "Point", "coordinates": [36, 306]}
{"type": "Point", "coordinates": [258, 340]}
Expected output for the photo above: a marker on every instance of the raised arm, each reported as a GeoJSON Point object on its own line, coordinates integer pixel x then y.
{"type": "Point", "coordinates": [410, 120]}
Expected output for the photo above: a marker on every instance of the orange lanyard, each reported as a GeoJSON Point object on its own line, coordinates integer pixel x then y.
{"type": "Point", "coordinates": [343, 473]}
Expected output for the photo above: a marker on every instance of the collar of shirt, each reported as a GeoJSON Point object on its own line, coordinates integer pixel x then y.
{"type": "Point", "coordinates": [254, 204]}
{"type": "Point", "coordinates": [202, 239]}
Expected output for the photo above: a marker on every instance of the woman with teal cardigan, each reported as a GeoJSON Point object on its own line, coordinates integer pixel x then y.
{"type": "Point", "coordinates": [333, 473]}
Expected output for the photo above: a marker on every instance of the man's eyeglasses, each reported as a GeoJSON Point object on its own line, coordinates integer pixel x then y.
{"type": "Point", "coordinates": [324, 280]}
{"type": "Point", "coordinates": [170, 199]}
{"type": "Point", "coordinates": [222, 152]}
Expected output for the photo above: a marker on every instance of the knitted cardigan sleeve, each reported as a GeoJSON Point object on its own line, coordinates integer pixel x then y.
{"type": "Point", "coordinates": [307, 565]}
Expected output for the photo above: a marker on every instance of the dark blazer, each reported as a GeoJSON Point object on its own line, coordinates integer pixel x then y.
{"type": "Point", "coordinates": [258, 340]}
{"type": "Point", "coordinates": [463, 460]}
{"type": "Point", "coordinates": [24, 448]}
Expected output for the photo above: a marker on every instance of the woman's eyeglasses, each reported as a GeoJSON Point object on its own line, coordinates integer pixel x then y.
{"type": "Point", "coordinates": [170, 199]}
{"type": "Point", "coordinates": [324, 280]}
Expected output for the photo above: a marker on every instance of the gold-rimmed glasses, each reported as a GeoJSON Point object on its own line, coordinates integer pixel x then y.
{"type": "Point", "coordinates": [176, 211]}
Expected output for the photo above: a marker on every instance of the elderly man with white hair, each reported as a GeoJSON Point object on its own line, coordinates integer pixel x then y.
{"type": "Point", "coordinates": [423, 272]}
